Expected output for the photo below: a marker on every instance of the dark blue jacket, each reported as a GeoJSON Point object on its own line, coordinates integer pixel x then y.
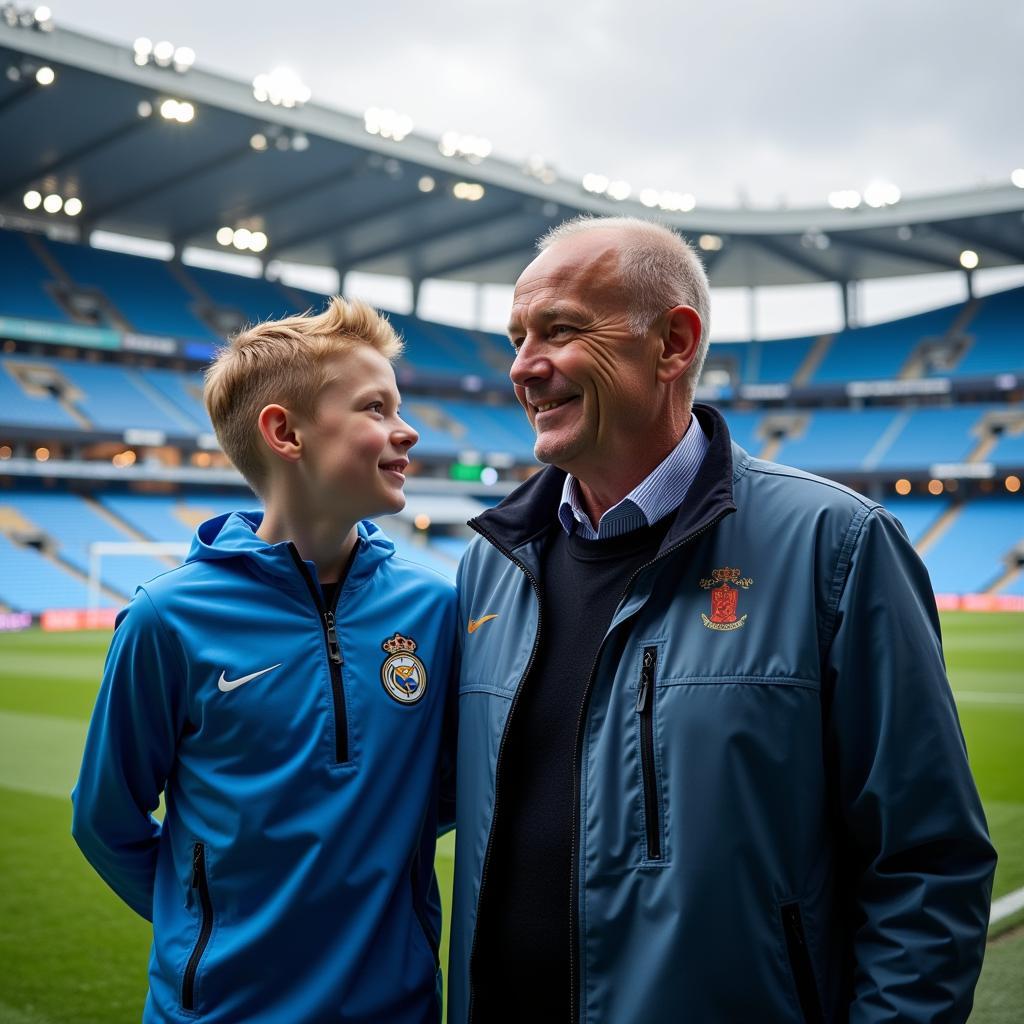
{"type": "Point", "coordinates": [774, 816]}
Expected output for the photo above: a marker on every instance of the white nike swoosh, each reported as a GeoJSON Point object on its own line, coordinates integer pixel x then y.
{"type": "Point", "coordinates": [226, 685]}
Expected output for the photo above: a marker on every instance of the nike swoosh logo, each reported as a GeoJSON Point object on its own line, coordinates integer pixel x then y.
{"type": "Point", "coordinates": [227, 685]}
{"type": "Point", "coordinates": [474, 624]}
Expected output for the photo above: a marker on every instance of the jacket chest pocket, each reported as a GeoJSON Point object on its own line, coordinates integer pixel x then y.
{"type": "Point", "coordinates": [650, 784]}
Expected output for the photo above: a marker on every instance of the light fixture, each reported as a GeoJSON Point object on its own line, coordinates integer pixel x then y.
{"type": "Point", "coordinates": [710, 243]}
{"type": "Point", "coordinates": [969, 259]}
{"type": "Point", "coordinates": [935, 487]}
{"type": "Point", "coordinates": [46, 75]}
{"type": "Point", "coordinates": [422, 521]}
{"type": "Point", "coordinates": [902, 486]}
{"type": "Point", "coordinates": [619, 190]}
{"type": "Point", "coordinates": [537, 167]}
{"type": "Point", "coordinates": [881, 193]}
{"type": "Point", "coordinates": [597, 183]}
{"type": "Point", "coordinates": [53, 203]}
{"type": "Point", "coordinates": [1012, 484]}
{"type": "Point", "coordinates": [387, 123]}
{"type": "Point", "coordinates": [177, 110]}
{"type": "Point", "coordinates": [473, 148]}
{"type": "Point", "coordinates": [258, 141]}
{"type": "Point", "coordinates": [163, 53]}
{"type": "Point", "coordinates": [184, 58]}
{"type": "Point", "coordinates": [32, 200]}
{"type": "Point", "coordinates": [144, 109]}
{"type": "Point", "coordinates": [241, 239]}
{"type": "Point", "coordinates": [1017, 177]}
{"type": "Point", "coordinates": [844, 199]}
{"type": "Point", "coordinates": [471, 191]}
{"type": "Point", "coordinates": [426, 183]}
{"type": "Point", "coordinates": [281, 87]}
{"type": "Point", "coordinates": [73, 206]}
{"type": "Point", "coordinates": [225, 236]}
{"type": "Point", "coordinates": [258, 241]}
{"type": "Point", "coordinates": [42, 454]}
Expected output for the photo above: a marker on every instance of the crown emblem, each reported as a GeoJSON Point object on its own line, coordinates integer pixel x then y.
{"type": "Point", "coordinates": [726, 575]}
{"type": "Point", "coordinates": [399, 644]}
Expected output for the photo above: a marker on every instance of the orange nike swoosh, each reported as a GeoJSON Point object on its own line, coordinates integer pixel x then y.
{"type": "Point", "coordinates": [474, 624]}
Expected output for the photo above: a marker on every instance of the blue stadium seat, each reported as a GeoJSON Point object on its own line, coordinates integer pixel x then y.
{"type": "Point", "coordinates": [254, 297]}
{"type": "Point", "coordinates": [18, 408]}
{"type": "Point", "coordinates": [837, 439]}
{"type": "Point", "coordinates": [143, 290]}
{"type": "Point", "coordinates": [916, 512]}
{"type": "Point", "coordinates": [968, 557]}
{"type": "Point", "coordinates": [183, 390]}
{"type": "Point", "coordinates": [23, 291]}
{"type": "Point", "coordinates": [74, 525]}
{"type": "Point", "coordinates": [998, 332]}
{"type": "Point", "coordinates": [776, 362]}
{"type": "Point", "coordinates": [30, 582]}
{"type": "Point", "coordinates": [879, 352]}
{"type": "Point", "coordinates": [933, 435]}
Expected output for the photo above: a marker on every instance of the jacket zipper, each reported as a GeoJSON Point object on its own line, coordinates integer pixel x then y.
{"type": "Point", "coordinates": [501, 751]}
{"type": "Point", "coordinates": [800, 963]}
{"type": "Point", "coordinates": [335, 660]}
{"type": "Point", "coordinates": [199, 881]}
{"type": "Point", "coordinates": [645, 709]}
{"type": "Point", "coordinates": [574, 883]}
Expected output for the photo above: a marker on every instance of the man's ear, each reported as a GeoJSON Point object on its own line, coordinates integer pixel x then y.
{"type": "Point", "coordinates": [680, 340]}
{"type": "Point", "coordinates": [277, 428]}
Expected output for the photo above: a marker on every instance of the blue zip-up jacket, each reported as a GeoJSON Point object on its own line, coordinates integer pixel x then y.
{"type": "Point", "coordinates": [774, 818]}
{"type": "Point", "coordinates": [291, 880]}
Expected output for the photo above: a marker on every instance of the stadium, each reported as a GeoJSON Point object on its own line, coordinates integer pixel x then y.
{"type": "Point", "coordinates": [135, 172]}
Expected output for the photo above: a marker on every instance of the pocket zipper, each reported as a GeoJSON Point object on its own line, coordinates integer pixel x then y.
{"type": "Point", "coordinates": [645, 709]}
{"type": "Point", "coordinates": [199, 881]}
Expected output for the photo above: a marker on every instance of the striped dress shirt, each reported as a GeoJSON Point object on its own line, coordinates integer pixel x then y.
{"type": "Point", "coordinates": [652, 499]}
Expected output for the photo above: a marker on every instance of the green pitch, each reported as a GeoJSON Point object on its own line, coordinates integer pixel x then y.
{"type": "Point", "coordinates": [72, 953]}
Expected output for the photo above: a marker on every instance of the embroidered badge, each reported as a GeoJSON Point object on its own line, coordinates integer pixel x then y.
{"type": "Point", "coordinates": [403, 674]}
{"type": "Point", "coordinates": [724, 597]}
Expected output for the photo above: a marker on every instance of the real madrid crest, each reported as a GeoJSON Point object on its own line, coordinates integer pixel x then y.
{"type": "Point", "coordinates": [724, 598]}
{"type": "Point", "coordinates": [403, 674]}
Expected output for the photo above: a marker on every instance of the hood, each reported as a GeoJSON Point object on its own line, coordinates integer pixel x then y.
{"type": "Point", "coordinates": [233, 535]}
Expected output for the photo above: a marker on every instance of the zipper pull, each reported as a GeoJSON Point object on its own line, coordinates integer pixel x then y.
{"type": "Point", "coordinates": [197, 863]}
{"type": "Point", "coordinates": [645, 682]}
{"type": "Point", "coordinates": [333, 647]}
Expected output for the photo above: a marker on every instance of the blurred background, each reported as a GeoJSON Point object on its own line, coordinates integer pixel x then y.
{"type": "Point", "coordinates": [852, 179]}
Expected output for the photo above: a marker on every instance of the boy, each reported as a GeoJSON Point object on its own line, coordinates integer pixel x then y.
{"type": "Point", "coordinates": [285, 689]}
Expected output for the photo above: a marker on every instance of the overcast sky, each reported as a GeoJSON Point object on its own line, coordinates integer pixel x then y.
{"type": "Point", "coordinates": [732, 101]}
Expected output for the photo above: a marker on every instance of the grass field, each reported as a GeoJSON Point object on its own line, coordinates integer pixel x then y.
{"type": "Point", "coordinates": [72, 953]}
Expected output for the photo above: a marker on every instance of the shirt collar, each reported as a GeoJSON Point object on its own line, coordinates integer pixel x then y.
{"type": "Point", "coordinates": [658, 494]}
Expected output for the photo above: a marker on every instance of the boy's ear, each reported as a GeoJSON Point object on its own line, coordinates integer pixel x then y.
{"type": "Point", "coordinates": [278, 432]}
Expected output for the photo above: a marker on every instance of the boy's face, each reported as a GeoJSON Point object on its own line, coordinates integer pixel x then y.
{"type": "Point", "coordinates": [355, 451]}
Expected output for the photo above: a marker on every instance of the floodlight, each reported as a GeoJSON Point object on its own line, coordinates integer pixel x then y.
{"type": "Point", "coordinates": [145, 108]}
{"type": "Point", "coordinates": [426, 183]}
{"type": "Point", "coordinates": [46, 75]}
{"type": "Point", "coordinates": [620, 190]}
{"type": "Point", "coordinates": [186, 112]}
{"type": "Point", "coordinates": [258, 242]}
{"type": "Point", "coordinates": [468, 190]}
{"type": "Point", "coordinates": [73, 206]}
{"type": "Point", "coordinates": [225, 236]}
{"type": "Point", "coordinates": [968, 259]}
{"type": "Point", "coordinates": [596, 183]}
{"type": "Point", "coordinates": [163, 53]}
{"type": "Point", "coordinates": [43, 18]}
{"type": "Point", "coordinates": [184, 58]}
{"type": "Point", "coordinates": [32, 200]}
{"type": "Point", "coordinates": [650, 197]}
{"type": "Point", "coordinates": [258, 141]}
{"type": "Point", "coordinates": [1017, 177]}
{"type": "Point", "coordinates": [52, 203]}
{"type": "Point", "coordinates": [282, 87]}
{"type": "Point", "coordinates": [881, 193]}
{"type": "Point", "coordinates": [143, 47]}
{"type": "Point", "coordinates": [169, 109]}
{"type": "Point", "coordinates": [242, 237]}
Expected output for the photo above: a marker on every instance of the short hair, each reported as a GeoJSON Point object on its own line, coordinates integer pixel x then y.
{"type": "Point", "coordinates": [284, 362]}
{"type": "Point", "coordinates": [658, 268]}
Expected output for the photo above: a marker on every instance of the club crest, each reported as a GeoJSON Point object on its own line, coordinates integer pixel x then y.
{"type": "Point", "coordinates": [723, 584]}
{"type": "Point", "coordinates": [403, 674]}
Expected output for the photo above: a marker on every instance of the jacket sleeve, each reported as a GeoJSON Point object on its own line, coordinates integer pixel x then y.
{"type": "Point", "coordinates": [917, 843]}
{"type": "Point", "coordinates": [129, 751]}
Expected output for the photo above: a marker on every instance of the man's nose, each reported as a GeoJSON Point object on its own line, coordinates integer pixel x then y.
{"type": "Point", "coordinates": [530, 364]}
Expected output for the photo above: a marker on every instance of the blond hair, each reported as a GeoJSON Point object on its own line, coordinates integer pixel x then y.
{"type": "Point", "coordinates": [284, 362]}
{"type": "Point", "coordinates": [658, 268]}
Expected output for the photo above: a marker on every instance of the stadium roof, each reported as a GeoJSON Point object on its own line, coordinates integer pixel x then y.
{"type": "Point", "coordinates": [325, 191]}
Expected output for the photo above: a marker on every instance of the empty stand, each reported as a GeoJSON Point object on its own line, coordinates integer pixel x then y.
{"type": "Point", "coordinates": [24, 282]}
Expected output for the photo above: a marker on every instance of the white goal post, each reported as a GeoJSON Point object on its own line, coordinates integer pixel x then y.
{"type": "Point", "coordinates": [99, 549]}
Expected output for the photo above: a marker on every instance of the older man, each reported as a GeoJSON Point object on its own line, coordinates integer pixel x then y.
{"type": "Point", "coordinates": [710, 769]}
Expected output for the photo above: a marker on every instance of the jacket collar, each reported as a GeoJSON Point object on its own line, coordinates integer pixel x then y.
{"type": "Point", "coordinates": [531, 508]}
{"type": "Point", "coordinates": [234, 536]}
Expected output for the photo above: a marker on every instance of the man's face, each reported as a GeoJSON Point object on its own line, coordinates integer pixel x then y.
{"type": "Point", "coordinates": [585, 379]}
{"type": "Point", "coordinates": [356, 448]}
